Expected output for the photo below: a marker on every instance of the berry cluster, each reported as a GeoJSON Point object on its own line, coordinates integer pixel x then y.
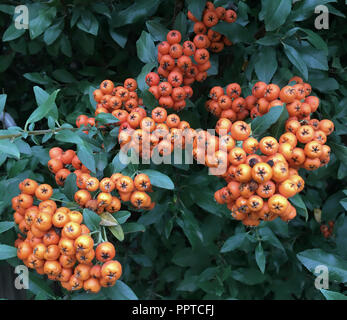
{"type": "Point", "coordinates": [259, 183]}
{"type": "Point", "coordinates": [327, 230]}
{"type": "Point", "coordinates": [113, 99]}
{"type": "Point", "coordinates": [210, 17]}
{"type": "Point", "coordinates": [106, 190]}
{"type": "Point", "coordinates": [62, 163]}
{"type": "Point", "coordinates": [159, 133]}
{"type": "Point", "coordinates": [229, 103]}
{"type": "Point", "coordinates": [181, 64]}
{"type": "Point", "coordinates": [58, 244]}
{"type": "Point", "coordinates": [109, 192]}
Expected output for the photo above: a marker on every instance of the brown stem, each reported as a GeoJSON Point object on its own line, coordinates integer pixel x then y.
{"type": "Point", "coordinates": [36, 133]}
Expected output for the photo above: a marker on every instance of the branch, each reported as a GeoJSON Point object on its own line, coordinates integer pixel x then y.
{"type": "Point", "coordinates": [37, 133]}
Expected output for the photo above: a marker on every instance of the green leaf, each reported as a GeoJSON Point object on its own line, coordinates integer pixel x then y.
{"type": "Point", "coordinates": [299, 205]}
{"type": "Point", "coordinates": [275, 13]}
{"type": "Point", "coordinates": [39, 286]}
{"type": "Point", "coordinates": [339, 150]}
{"type": "Point", "coordinates": [119, 36]}
{"type": "Point", "coordinates": [108, 220]}
{"type": "Point", "coordinates": [7, 9]}
{"type": "Point", "coordinates": [234, 32]}
{"type": "Point", "coordinates": [91, 219]}
{"type": "Point", "coordinates": [70, 186]}
{"type": "Point", "coordinates": [266, 64]}
{"type": "Point", "coordinates": [205, 200]}
{"type": "Point", "coordinates": [44, 109]}
{"type": "Point", "coordinates": [191, 228]}
{"type": "Point", "coordinates": [6, 60]}
{"type": "Point", "coordinates": [86, 157]}
{"type": "Point", "coordinates": [180, 24]}
{"type": "Point", "coordinates": [65, 45]}
{"type": "Point", "coordinates": [157, 30]}
{"type": "Point", "coordinates": [268, 40]}
{"type": "Point", "coordinates": [122, 216]}
{"type": "Point", "coordinates": [3, 98]}
{"type": "Point", "coordinates": [130, 227]}
{"type": "Point", "coordinates": [43, 20]}
{"type": "Point", "coordinates": [138, 11]}
{"type": "Point", "coordinates": [331, 295]}
{"type": "Point", "coordinates": [260, 257]}
{"type": "Point", "coordinates": [248, 276]}
{"type": "Point", "coordinates": [267, 235]}
{"type": "Point", "coordinates": [120, 291]}
{"type": "Point", "coordinates": [149, 101]}
{"type": "Point", "coordinates": [341, 239]}
{"type": "Point", "coordinates": [295, 58]}
{"type": "Point", "coordinates": [7, 252]}
{"type": "Point", "coordinates": [260, 124]}
{"type": "Point", "coordinates": [6, 225]}
{"type": "Point", "coordinates": [38, 78]}
{"type": "Point", "coordinates": [117, 163]}
{"type": "Point", "coordinates": [278, 128]}
{"type": "Point", "coordinates": [196, 7]}
{"type": "Point", "coordinates": [233, 242]}
{"type": "Point", "coordinates": [106, 118]}
{"type": "Point", "coordinates": [141, 83]}
{"type": "Point", "coordinates": [306, 9]}
{"type": "Point", "coordinates": [64, 76]}
{"type": "Point", "coordinates": [314, 257]}
{"type": "Point", "coordinates": [316, 40]}
{"type": "Point", "coordinates": [145, 48]}
{"type": "Point", "coordinates": [69, 137]}
{"type": "Point", "coordinates": [53, 32]}
{"type": "Point", "coordinates": [117, 231]}
{"type": "Point", "coordinates": [324, 84]}
{"type": "Point", "coordinates": [10, 148]}
{"type": "Point", "coordinates": [159, 179]}
{"type": "Point", "coordinates": [88, 23]}
{"type": "Point", "coordinates": [12, 33]}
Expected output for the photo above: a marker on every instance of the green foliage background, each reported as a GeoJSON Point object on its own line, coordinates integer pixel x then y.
{"type": "Point", "coordinates": [188, 247]}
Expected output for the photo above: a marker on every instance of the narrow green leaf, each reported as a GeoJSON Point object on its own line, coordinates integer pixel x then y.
{"type": "Point", "coordinates": [159, 179]}
{"type": "Point", "coordinates": [331, 295]}
{"type": "Point", "coordinates": [91, 219]}
{"type": "Point", "coordinates": [117, 231]}
{"type": "Point", "coordinates": [44, 109]}
{"type": "Point", "coordinates": [6, 225]}
{"type": "Point", "coordinates": [260, 257]}
{"type": "Point", "coordinates": [337, 267]}
{"type": "Point", "coordinates": [120, 291]}
{"type": "Point", "coordinates": [299, 205]}
{"type": "Point", "coordinates": [70, 186]}
{"type": "Point", "coordinates": [266, 64]}
{"type": "Point", "coordinates": [233, 242]}
{"type": "Point", "coordinates": [7, 252]}
{"type": "Point", "coordinates": [106, 118]}
{"type": "Point", "coordinates": [145, 48]}
{"type": "Point", "coordinates": [181, 23]}
{"type": "Point", "coordinates": [86, 157]}
{"type": "Point", "coordinates": [196, 7]}
{"type": "Point", "coordinates": [260, 124]}
{"type": "Point", "coordinates": [10, 148]}
{"type": "Point", "coordinates": [43, 20]}
{"type": "Point", "coordinates": [275, 13]}
{"type": "Point", "coordinates": [296, 60]}
{"type": "Point", "coordinates": [12, 33]}
{"type": "Point", "coordinates": [3, 98]}
{"type": "Point", "coordinates": [234, 32]}
{"type": "Point", "coordinates": [157, 30]}
{"type": "Point", "coordinates": [130, 227]}
{"type": "Point", "coordinates": [141, 83]}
